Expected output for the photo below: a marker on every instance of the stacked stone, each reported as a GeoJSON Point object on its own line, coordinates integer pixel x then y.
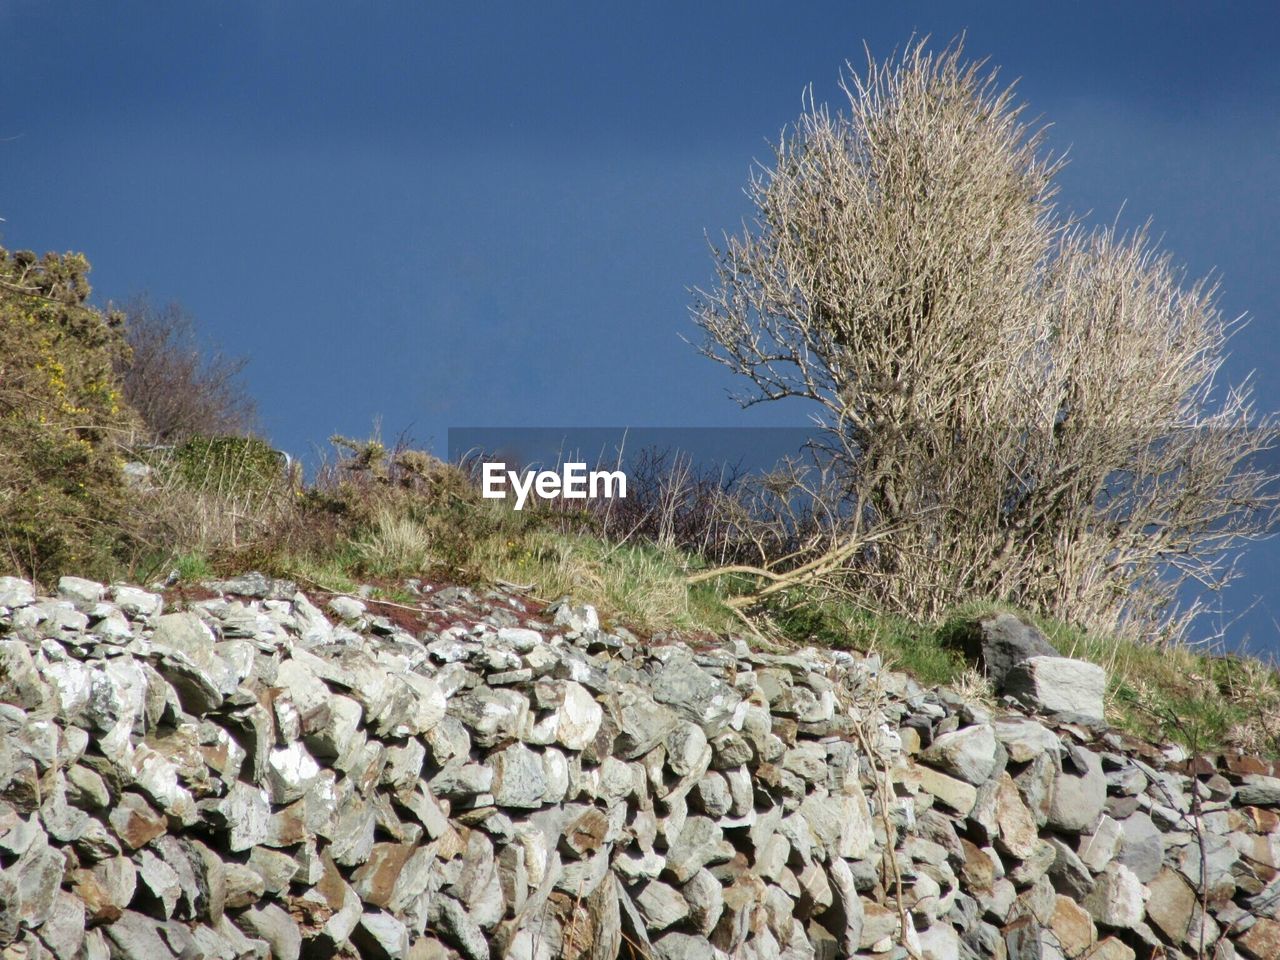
{"type": "Point", "coordinates": [478, 777]}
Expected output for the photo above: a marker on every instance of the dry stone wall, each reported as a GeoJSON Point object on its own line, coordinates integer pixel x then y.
{"type": "Point", "coordinates": [256, 773]}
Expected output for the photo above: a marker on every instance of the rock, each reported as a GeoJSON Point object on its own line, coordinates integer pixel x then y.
{"type": "Point", "coordinates": [83, 593]}
{"type": "Point", "coordinates": [642, 722]}
{"type": "Point", "coordinates": [694, 694]}
{"type": "Point", "coordinates": [1259, 790]}
{"type": "Point", "coordinates": [453, 922]}
{"type": "Point", "coordinates": [969, 754]}
{"type": "Point", "coordinates": [578, 717]}
{"type": "Point", "coordinates": [1171, 904]}
{"type": "Point", "coordinates": [518, 777]}
{"type": "Point", "coordinates": [1118, 898]}
{"type": "Point", "coordinates": [698, 843]}
{"type": "Point", "coordinates": [15, 592]}
{"type": "Point", "coordinates": [290, 773]}
{"type": "Point", "coordinates": [705, 897]}
{"type": "Point", "coordinates": [1025, 740]}
{"type": "Point", "coordinates": [956, 794]}
{"type": "Point", "coordinates": [840, 824]}
{"type": "Point", "coordinates": [939, 942]}
{"type": "Point", "coordinates": [1261, 941]}
{"type": "Point", "coordinates": [682, 946]}
{"type": "Point", "coordinates": [135, 603]}
{"type": "Point", "coordinates": [380, 936]}
{"type": "Point", "coordinates": [661, 905]}
{"type": "Point", "coordinates": [1000, 642]}
{"type": "Point", "coordinates": [63, 929]}
{"type": "Point", "coordinates": [1109, 948]}
{"type": "Point", "coordinates": [1072, 926]}
{"type": "Point", "coordinates": [1018, 835]}
{"type": "Point", "coordinates": [1142, 846]}
{"type": "Point", "coordinates": [276, 928]}
{"type": "Point", "coordinates": [576, 620]}
{"type": "Point", "coordinates": [1079, 794]}
{"type": "Point", "coordinates": [136, 935]}
{"type": "Point", "coordinates": [1059, 686]}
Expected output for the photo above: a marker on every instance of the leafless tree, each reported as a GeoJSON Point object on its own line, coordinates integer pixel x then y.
{"type": "Point", "coordinates": [1024, 409]}
{"type": "Point", "coordinates": [179, 389]}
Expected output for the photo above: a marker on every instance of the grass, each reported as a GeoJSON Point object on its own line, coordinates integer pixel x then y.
{"type": "Point", "coordinates": [370, 523]}
{"type": "Point", "coordinates": [1200, 698]}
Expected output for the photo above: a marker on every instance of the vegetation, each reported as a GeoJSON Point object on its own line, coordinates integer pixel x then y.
{"type": "Point", "coordinates": [908, 274]}
{"type": "Point", "coordinates": [1017, 408]}
{"type": "Point", "coordinates": [178, 389]}
{"type": "Point", "coordinates": [61, 418]}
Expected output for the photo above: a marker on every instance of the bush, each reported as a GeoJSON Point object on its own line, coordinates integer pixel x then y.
{"type": "Point", "coordinates": [61, 413]}
{"type": "Point", "coordinates": [1021, 409]}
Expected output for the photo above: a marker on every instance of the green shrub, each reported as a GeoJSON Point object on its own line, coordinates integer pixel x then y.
{"type": "Point", "coordinates": [61, 416]}
{"type": "Point", "coordinates": [229, 465]}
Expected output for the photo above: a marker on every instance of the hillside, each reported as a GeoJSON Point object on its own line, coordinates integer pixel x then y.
{"type": "Point", "coordinates": [248, 770]}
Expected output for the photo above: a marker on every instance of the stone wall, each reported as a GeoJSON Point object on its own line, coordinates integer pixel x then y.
{"type": "Point", "coordinates": [251, 773]}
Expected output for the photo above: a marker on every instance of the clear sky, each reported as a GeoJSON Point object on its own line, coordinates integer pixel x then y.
{"type": "Point", "coordinates": [437, 215]}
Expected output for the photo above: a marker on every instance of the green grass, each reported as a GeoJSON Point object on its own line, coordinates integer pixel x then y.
{"type": "Point", "coordinates": [1196, 697]}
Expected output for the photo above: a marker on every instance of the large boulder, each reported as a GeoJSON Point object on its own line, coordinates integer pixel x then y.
{"type": "Point", "coordinates": [1000, 642]}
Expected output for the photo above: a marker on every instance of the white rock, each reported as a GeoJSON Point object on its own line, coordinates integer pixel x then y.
{"type": "Point", "coordinates": [290, 772]}
{"type": "Point", "coordinates": [578, 718]}
{"type": "Point", "coordinates": [1060, 686]}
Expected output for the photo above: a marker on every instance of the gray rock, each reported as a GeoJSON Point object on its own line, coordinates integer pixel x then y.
{"type": "Point", "coordinates": [661, 905]}
{"type": "Point", "coordinates": [683, 946]}
{"type": "Point", "coordinates": [1060, 687]}
{"type": "Point", "coordinates": [695, 694]}
{"type": "Point", "coordinates": [642, 722]}
{"type": "Point", "coordinates": [1259, 790]}
{"type": "Point", "coordinates": [969, 754]}
{"type": "Point", "coordinates": [380, 936]}
{"type": "Point", "coordinates": [276, 928]}
{"type": "Point", "coordinates": [519, 779]}
{"type": "Point", "coordinates": [136, 603]}
{"type": "Point", "coordinates": [576, 620]}
{"type": "Point", "coordinates": [1000, 642]}
{"type": "Point", "coordinates": [1118, 898]}
{"type": "Point", "coordinates": [1025, 740]}
{"type": "Point", "coordinates": [83, 593]}
{"type": "Point", "coordinates": [454, 923]}
{"type": "Point", "coordinates": [1142, 846]}
{"type": "Point", "coordinates": [696, 845]}
{"type": "Point", "coordinates": [1079, 794]}
{"type": "Point", "coordinates": [839, 824]}
{"type": "Point", "coordinates": [15, 592]}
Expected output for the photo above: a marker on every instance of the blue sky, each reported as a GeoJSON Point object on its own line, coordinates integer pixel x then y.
{"type": "Point", "coordinates": [438, 215]}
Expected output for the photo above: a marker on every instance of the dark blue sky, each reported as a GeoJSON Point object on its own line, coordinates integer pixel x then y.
{"type": "Point", "coordinates": [440, 215]}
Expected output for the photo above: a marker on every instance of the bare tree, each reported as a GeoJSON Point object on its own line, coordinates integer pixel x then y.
{"type": "Point", "coordinates": [179, 390]}
{"type": "Point", "coordinates": [1024, 409]}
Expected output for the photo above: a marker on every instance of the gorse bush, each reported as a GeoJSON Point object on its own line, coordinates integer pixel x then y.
{"type": "Point", "coordinates": [1021, 409]}
{"type": "Point", "coordinates": [61, 416]}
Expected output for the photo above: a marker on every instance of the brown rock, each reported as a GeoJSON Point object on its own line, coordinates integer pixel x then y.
{"type": "Point", "coordinates": [977, 871]}
{"type": "Point", "coordinates": [375, 879]}
{"type": "Point", "coordinates": [135, 821]}
{"type": "Point", "coordinates": [1072, 926]}
{"type": "Point", "coordinates": [1261, 941]}
{"type": "Point", "coordinates": [1018, 835]}
{"type": "Point", "coordinates": [585, 834]}
{"type": "Point", "coordinates": [1260, 820]}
